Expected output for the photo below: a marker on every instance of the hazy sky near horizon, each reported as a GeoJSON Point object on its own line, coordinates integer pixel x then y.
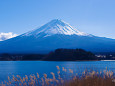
{"type": "Point", "coordinates": [95, 17]}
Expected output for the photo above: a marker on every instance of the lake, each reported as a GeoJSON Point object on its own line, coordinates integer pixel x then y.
{"type": "Point", "coordinates": [22, 68]}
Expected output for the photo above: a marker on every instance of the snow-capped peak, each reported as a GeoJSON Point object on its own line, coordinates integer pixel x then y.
{"type": "Point", "coordinates": [55, 26]}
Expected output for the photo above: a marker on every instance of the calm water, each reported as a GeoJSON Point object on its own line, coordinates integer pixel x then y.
{"type": "Point", "coordinates": [9, 68]}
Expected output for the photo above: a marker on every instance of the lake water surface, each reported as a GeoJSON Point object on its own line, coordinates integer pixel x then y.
{"type": "Point", "coordinates": [22, 68]}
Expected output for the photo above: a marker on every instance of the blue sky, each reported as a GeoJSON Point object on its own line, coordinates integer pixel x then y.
{"type": "Point", "coordinates": [96, 17]}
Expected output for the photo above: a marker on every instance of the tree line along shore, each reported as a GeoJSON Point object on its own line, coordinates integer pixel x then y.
{"type": "Point", "coordinates": [59, 55]}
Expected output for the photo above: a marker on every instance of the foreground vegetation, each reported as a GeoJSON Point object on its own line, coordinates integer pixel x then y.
{"type": "Point", "coordinates": [87, 78]}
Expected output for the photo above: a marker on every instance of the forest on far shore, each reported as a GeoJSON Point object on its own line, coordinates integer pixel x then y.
{"type": "Point", "coordinates": [57, 55]}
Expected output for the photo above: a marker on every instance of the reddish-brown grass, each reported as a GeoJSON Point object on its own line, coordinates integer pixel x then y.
{"type": "Point", "coordinates": [92, 78]}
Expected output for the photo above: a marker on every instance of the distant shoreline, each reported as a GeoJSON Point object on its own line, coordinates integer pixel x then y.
{"type": "Point", "coordinates": [60, 55]}
{"type": "Point", "coordinates": [107, 60]}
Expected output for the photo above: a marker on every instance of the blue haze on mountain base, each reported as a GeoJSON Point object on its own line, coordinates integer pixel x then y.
{"type": "Point", "coordinates": [56, 34]}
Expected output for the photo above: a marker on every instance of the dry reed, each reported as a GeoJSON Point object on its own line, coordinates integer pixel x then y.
{"type": "Point", "coordinates": [92, 78]}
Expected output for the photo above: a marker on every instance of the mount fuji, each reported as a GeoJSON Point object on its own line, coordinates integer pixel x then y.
{"type": "Point", "coordinates": [53, 35]}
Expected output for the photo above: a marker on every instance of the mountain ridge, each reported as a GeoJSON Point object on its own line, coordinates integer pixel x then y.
{"type": "Point", "coordinates": [55, 26]}
{"type": "Point", "coordinates": [44, 40]}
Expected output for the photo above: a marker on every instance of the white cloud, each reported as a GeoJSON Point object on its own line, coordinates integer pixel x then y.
{"type": "Point", "coordinates": [5, 36]}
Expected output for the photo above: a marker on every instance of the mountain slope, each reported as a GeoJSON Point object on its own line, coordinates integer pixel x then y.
{"type": "Point", "coordinates": [53, 35]}
{"type": "Point", "coordinates": [55, 26]}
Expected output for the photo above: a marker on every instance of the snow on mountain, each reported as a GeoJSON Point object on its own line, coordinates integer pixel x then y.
{"type": "Point", "coordinates": [55, 26]}
{"type": "Point", "coordinates": [53, 35]}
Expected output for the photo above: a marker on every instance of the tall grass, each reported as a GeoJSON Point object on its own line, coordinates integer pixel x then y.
{"type": "Point", "coordinates": [88, 78]}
